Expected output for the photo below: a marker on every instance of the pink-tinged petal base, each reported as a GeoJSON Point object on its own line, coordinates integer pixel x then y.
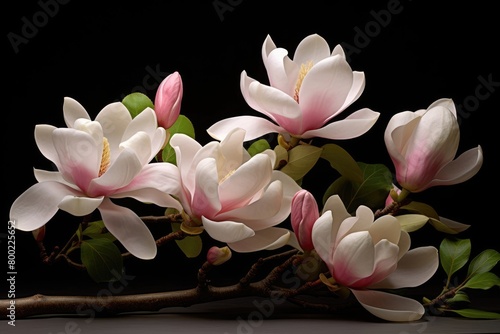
{"type": "Point", "coordinates": [129, 229]}
{"type": "Point", "coordinates": [388, 306]}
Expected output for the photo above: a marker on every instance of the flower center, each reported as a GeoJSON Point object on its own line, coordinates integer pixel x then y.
{"type": "Point", "coordinates": [105, 159]}
{"type": "Point", "coordinates": [304, 68]}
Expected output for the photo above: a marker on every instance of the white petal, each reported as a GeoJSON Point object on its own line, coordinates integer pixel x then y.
{"type": "Point", "coordinates": [461, 169]}
{"type": "Point", "coordinates": [43, 139]}
{"type": "Point", "coordinates": [73, 110]}
{"type": "Point", "coordinates": [114, 119]}
{"type": "Point", "coordinates": [388, 306]}
{"type": "Point", "coordinates": [227, 231]}
{"type": "Point", "coordinates": [281, 70]}
{"type": "Point", "coordinates": [358, 85]}
{"type": "Point", "coordinates": [254, 126]}
{"type": "Point", "coordinates": [151, 195]}
{"type": "Point", "coordinates": [354, 258]}
{"type": "Point", "coordinates": [140, 144]}
{"type": "Point", "coordinates": [38, 204]}
{"type": "Point", "coordinates": [323, 237]}
{"type": "Point", "coordinates": [129, 229]}
{"type": "Point", "coordinates": [205, 200]}
{"type": "Point", "coordinates": [269, 239]}
{"type": "Point", "coordinates": [354, 125]}
{"type": "Point", "coordinates": [416, 267]}
{"type": "Point", "coordinates": [385, 227]}
{"type": "Point", "coordinates": [157, 175]}
{"type": "Point", "coordinates": [312, 48]}
{"type": "Point", "coordinates": [79, 205]}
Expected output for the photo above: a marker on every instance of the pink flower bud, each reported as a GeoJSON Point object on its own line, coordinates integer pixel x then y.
{"type": "Point", "coordinates": [217, 256]}
{"type": "Point", "coordinates": [39, 233]}
{"type": "Point", "coordinates": [303, 216]}
{"type": "Point", "coordinates": [168, 100]}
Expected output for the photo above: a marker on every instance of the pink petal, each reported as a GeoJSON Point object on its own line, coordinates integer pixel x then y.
{"type": "Point", "coordinates": [205, 200]}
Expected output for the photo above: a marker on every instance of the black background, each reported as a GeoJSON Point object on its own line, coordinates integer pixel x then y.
{"type": "Point", "coordinates": [97, 53]}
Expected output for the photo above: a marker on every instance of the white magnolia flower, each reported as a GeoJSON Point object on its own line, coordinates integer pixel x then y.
{"type": "Point", "coordinates": [237, 198]}
{"type": "Point", "coordinates": [366, 255]}
{"type": "Point", "coordinates": [97, 161]}
{"type": "Point", "coordinates": [303, 95]}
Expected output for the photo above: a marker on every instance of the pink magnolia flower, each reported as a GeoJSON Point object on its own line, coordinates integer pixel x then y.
{"type": "Point", "coordinates": [237, 199]}
{"type": "Point", "coordinates": [97, 161]}
{"type": "Point", "coordinates": [423, 145]}
{"type": "Point", "coordinates": [304, 214]}
{"type": "Point", "coordinates": [168, 100]}
{"type": "Point", "coordinates": [304, 94]}
{"type": "Point", "coordinates": [366, 255]}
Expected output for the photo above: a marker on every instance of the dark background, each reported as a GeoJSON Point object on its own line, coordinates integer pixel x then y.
{"type": "Point", "coordinates": [412, 53]}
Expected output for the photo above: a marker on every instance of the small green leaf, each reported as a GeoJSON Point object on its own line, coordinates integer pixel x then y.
{"type": "Point", "coordinates": [191, 245]}
{"type": "Point", "coordinates": [301, 159]}
{"type": "Point", "coordinates": [454, 254]}
{"type": "Point", "coordinates": [342, 161]}
{"type": "Point", "coordinates": [483, 262]}
{"type": "Point", "coordinates": [102, 258]}
{"type": "Point", "coordinates": [136, 102]}
{"type": "Point", "coordinates": [258, 146]}
{"type": "Point", "coordinates": [439, 226]}
{"type": "Point", "coordinates": [412, 222]}
{"type": "Point", "coordinates": [97, 229]}
{"type": "Point", "coordinates": [422, 208]}
{"type": "Point", "coordinates": [476, 314]}
{"type": "Point", "coordinates": [460, 297]}
{"type": "Point", "coordinates": [483, 281]}
{"type": "Point", "coordinates": [181, 125]}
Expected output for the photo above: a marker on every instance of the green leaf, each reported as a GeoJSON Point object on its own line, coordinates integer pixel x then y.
{"type": "Point", "coordinates": [412, 221]}
{"type": "Point", "coordinates": [342, 161]}
{"type": "Point", "coordinates": [483, 281]}
{"type": "Point", "coordinates": [422, 208]}
{"type": "Point", "coordinates": [454, 254]}
{"type": "Point", "coordinates": [439, 226]}
{"type": "Point", "coordinates": [372, 192]}
{"type": "Point", "coordinates": [181, 125]}
{"type": "Point", "coordinates": [301, 159]}
{"type": "Point", "coordinates": [483, 262]}
{"type": "Point", "coordinates": [258, 146]}
{"type": "Point", "coordinates": [102, 258]}
{"type": "Point", "coordinates": [97, 229]}
{"type": "Point", "coordinates": [476, 314]}
{"type": "Point", "coordinates": [281, 156]}
{"type": "Point", "coordinates": [191, 245]}
{"type": "Point", "coordinates": [136, 102]}
{"type": "Point", "coordinates": [460, 297]}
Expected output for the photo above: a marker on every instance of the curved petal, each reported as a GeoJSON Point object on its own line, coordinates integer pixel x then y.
{"type": "Point", "coordinates": [185, 149]}
{"type": "Point", "coordinates": [79, 156]}
{"type": "Point", "coordinates": [281, 70]}
{"type": "Point", "coordinates": [145, 121]}
{"type": "Point", "coordinates": [388, 306]}
{"type": "Point", "coordinates": [361, 222]}
{"type": "Point", "coordinates": [354, 258]}
{"type": "Point", "coordinates": [323, 236]}
{"type": "Point", "coordinates": [140, 143]}
{"type": "Point", "coordinates": [239, 188]}
{"type": "Point", "coordinates": [205, 200]}
{"type": "Point", "coordinates": [324, 90]}
{"type": "Point", "coordinates": [151, 195]}
{"type": "Point", "coordinates": [119, 174]}
{"type": "Point", "coordinates": [114, 119]}
{"type": "Point", "coordinates": [43, 139]}
{"type": "Point", "coordinates": [73, 110]}
{"type": "Point", "coordinates": [357, 87]}
{"type": "Point", "coordinates": [255, 127]}
{"type": "Point", "coordinates": [461, 169]}
{"type": "Point", "coordinates": [416, 267]}
{"type": "Point", "coordinates": [269, 239]}
{"type": "Point", "coordinates": [312, 48]}
{"type": "Point", "coordinates": [227, 231]}
{"type": "Point", "coordinates": [79, 205]}
{"type": "Point", "coordinates": [385, 227]}
{"type": "Point", "coordinates": [129, 229]}
{"type": "Point", "coordinates": [38, 204]}
{"type": "Point", "coordinates": [163, 176]}
{"type": "Point", "coordinates": [354, 125]}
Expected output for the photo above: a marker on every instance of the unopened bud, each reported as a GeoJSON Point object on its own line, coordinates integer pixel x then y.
{"type": "Point", "coordinates": [217, 256]}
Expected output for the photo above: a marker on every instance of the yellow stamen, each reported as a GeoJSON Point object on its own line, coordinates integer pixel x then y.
{"type": "Point", "coordinates": [304, 68]}
{"type": "Point", "coordinates": [105, 159]}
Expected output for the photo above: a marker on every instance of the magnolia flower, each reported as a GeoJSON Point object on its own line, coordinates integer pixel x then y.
{"type": "Point", "coordinates": [365, 255]}
{"type": "Point", "coordinates": [423, 145]}
{"type": "Point", "coordinates": [304, 94]}
{"type": "Point", "coordinates": [168, 100]}
{"type": "Point", "coordinates": [304, 214]}
{"type": "Point", "coordinates": [97, 161]}
{"type": "Point", "coordinates": [237, 198]}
